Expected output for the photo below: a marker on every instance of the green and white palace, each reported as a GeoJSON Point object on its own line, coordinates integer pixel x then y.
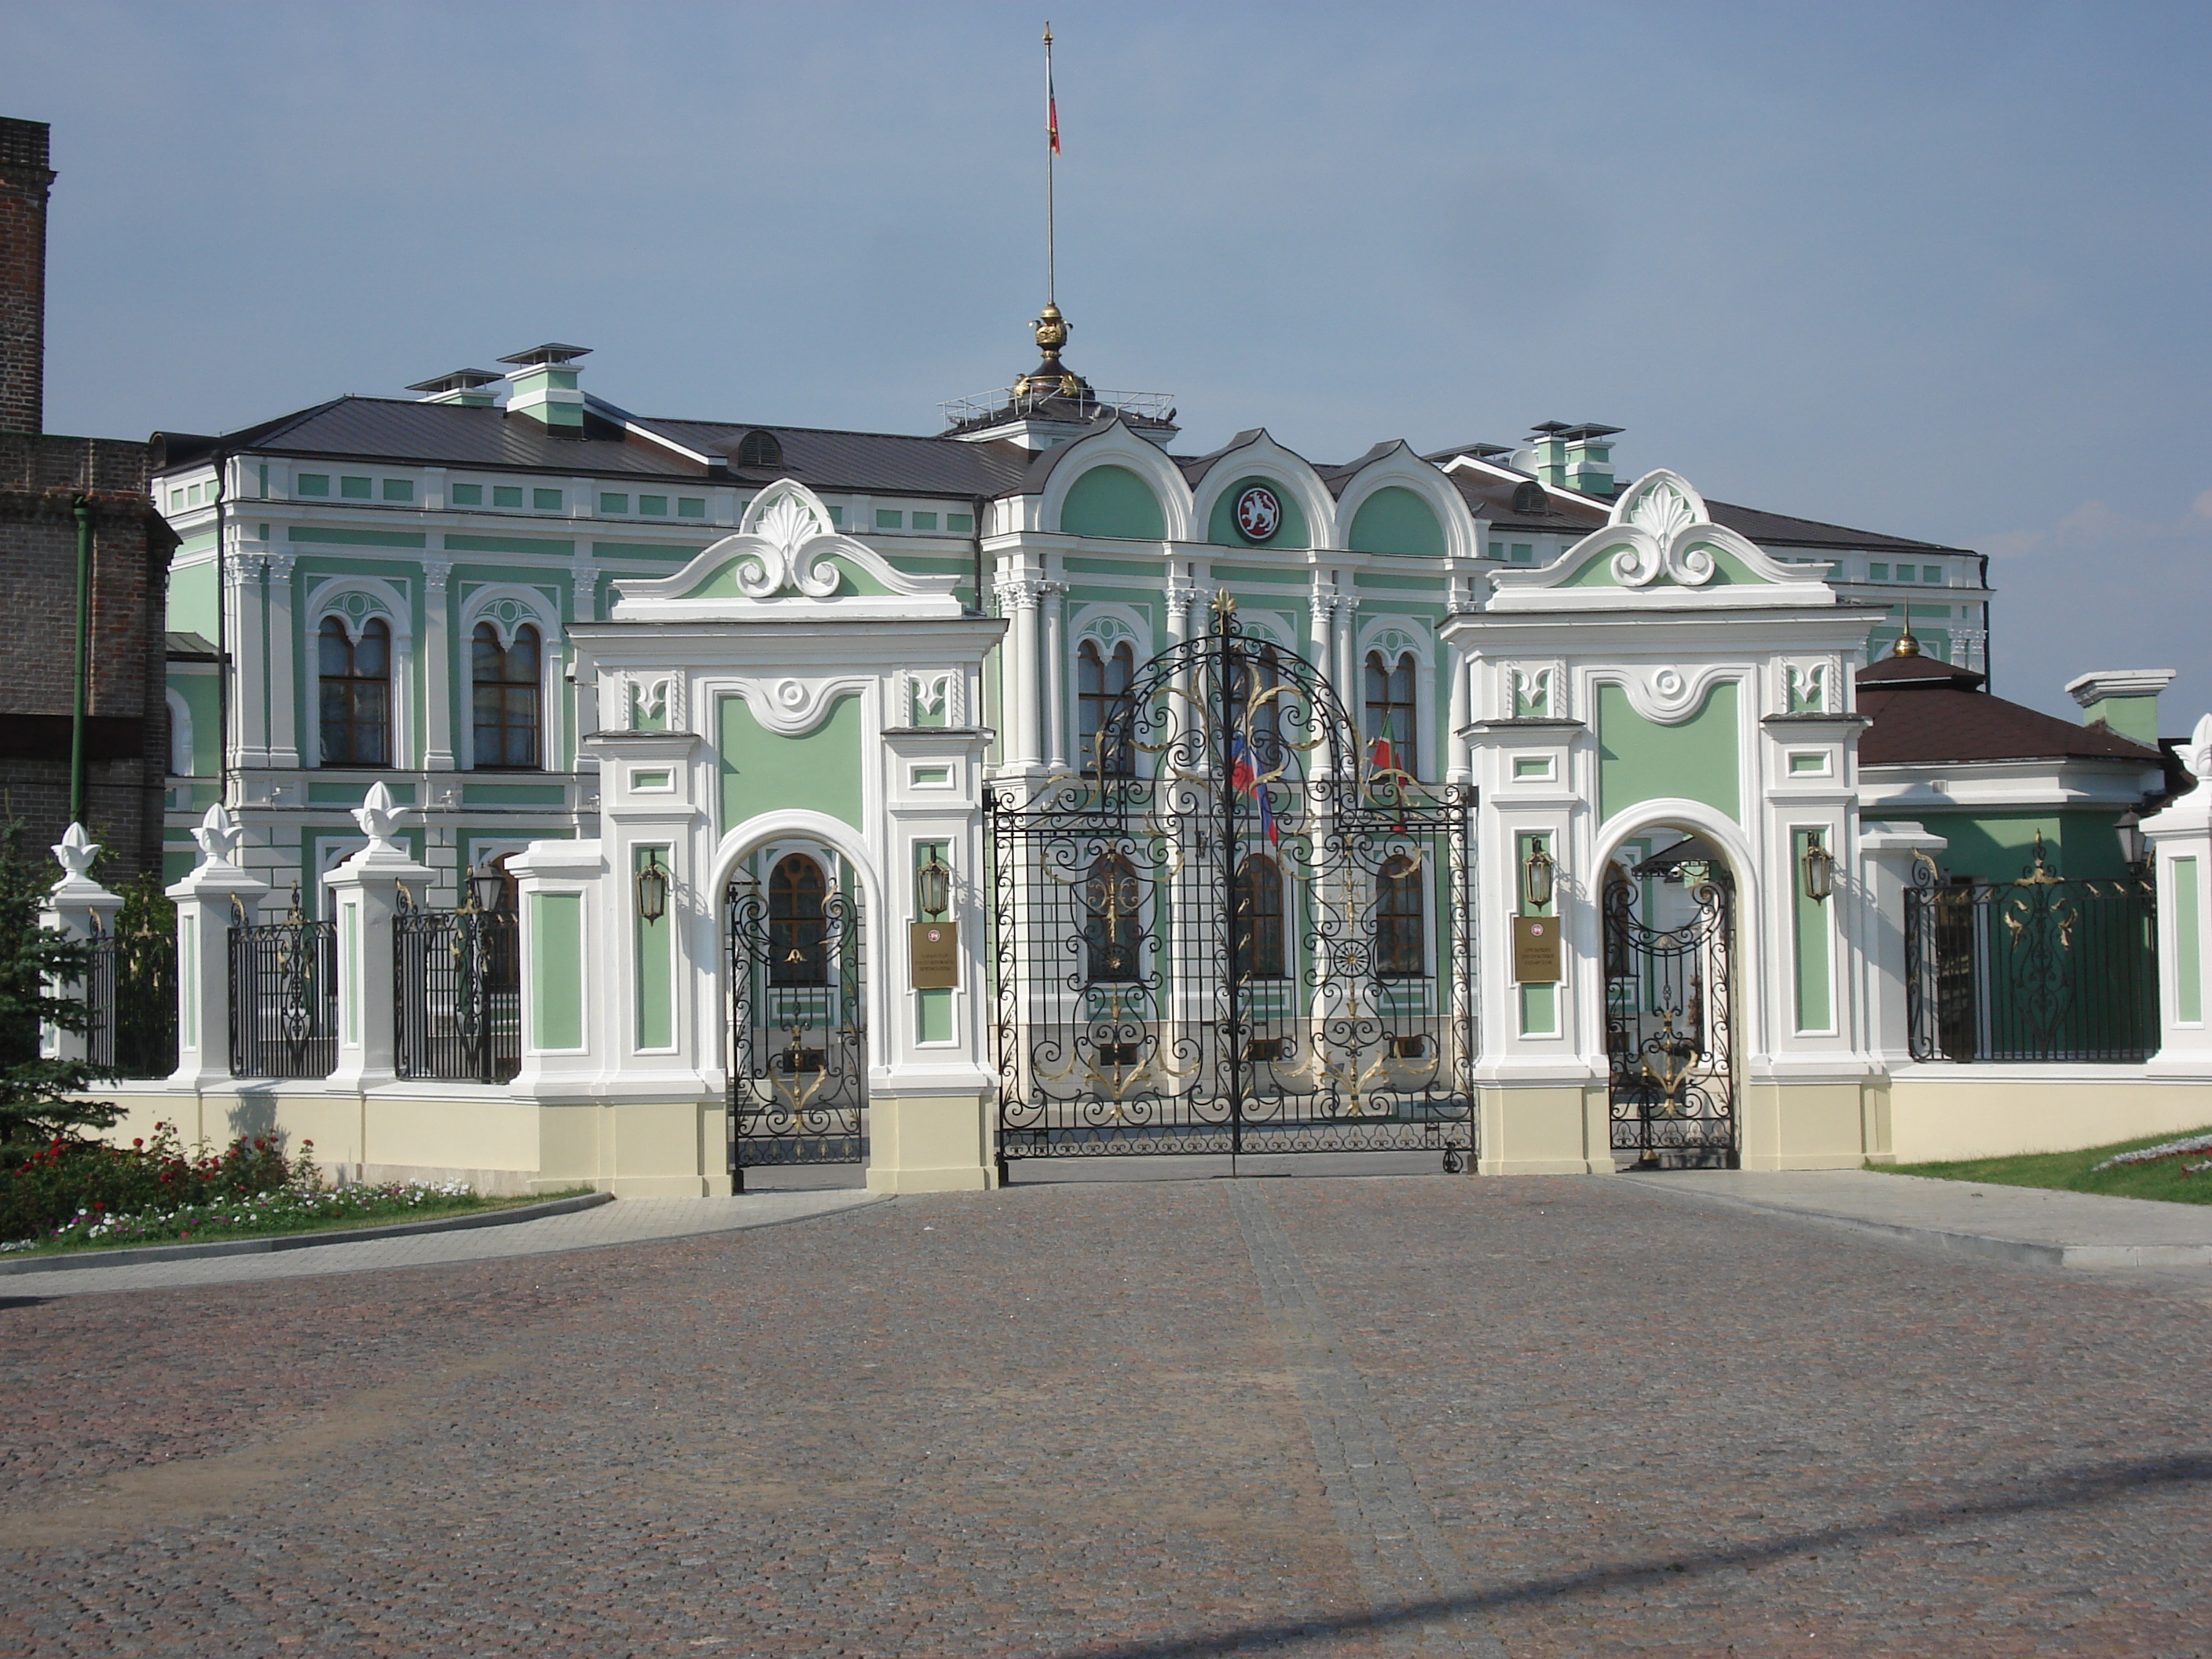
{"type": "Point", "coordinates": [562, 793]}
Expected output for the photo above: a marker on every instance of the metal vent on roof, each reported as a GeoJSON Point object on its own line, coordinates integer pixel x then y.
{"type": "Point", "coordinates": [760, 449]}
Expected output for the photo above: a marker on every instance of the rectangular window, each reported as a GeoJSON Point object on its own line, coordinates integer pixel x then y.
{"type": "Point", "coordinates": [889, 518]}
{"type": "Point", "coordinates": [1932, 572]}
{"type": "Point", "coordinates": [837, 515]}
{"type": "Point", "coordinates": [691, 507]}
{"type": "Point", "coordinates": [312, 483]}
{"type": "Point", "coordinates": [655, 506]}
{"type": "Point", "coordinates": [1397, 920]}
{"type": "Point", "coordinates": [176, 501]}
{"type": "Point", "coordinates": [356, 490]}
{"type": "Point", "coordinates": [545, 501]}
{"type": "Point", "coordinates": [925, 521]}
{"type": "Point", "coordinates": [1498, 551]}
{"type": "Point", "coordinates": [613, 503]}
{"type": "Point", "coordinates": [960, 524]}
{"type": "Point", "coordinates": [192, 496]}
{"type": "Point", "coordinates": [1877, 573]}
{"type": "Point", "coordinates": [466, 494]}
{"type": "Point", "coordinates": [507, 495]}
{"type": "Point", "coordinates": [399, 489]}
{"type": "Point", "coordinates": [1523, 553]}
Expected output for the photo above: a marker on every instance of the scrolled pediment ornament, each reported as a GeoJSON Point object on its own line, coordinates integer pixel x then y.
{"type": "Point", "coordinates": [782, 523]}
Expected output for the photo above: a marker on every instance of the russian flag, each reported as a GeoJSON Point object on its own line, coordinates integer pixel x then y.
{"type": "Point", "coordinates": [1244, 778]}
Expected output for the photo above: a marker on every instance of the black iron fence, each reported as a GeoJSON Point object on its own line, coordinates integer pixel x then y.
{"type": "Point", "coordinates": [132, 989]}
{"type": "Point", "coordinates": [283, 997]}
{"type": "Point", "coordinates": [2041, 969]}
{"type": "Point", "coordinates": [457, 995]}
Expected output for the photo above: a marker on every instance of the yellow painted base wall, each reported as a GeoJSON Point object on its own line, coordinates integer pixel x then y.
{"type": "Point", "coordinates": [1937, 1114]}
{"type": "Point", "coordinates": [930, 1144]}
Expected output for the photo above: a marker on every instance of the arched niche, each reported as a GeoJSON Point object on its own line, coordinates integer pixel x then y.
{"type": "Point", "coordinates": [1292, 532]}
{"type": "Point", "coordinates": [1394, 519]}
{"type": "Point", "coordinates": [1113, 501]}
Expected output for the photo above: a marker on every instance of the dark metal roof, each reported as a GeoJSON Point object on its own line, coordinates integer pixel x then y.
{"type": "Point", "coordinates": [452, 435]}
{"type": "Point", "coordinates": [1778, 530]}
{"type": "Point", "coordinates": [1924, 710]}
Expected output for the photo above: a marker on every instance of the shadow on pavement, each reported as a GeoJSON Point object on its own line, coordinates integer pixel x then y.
{"type": "Point", "coordinates": [2072, 1489]}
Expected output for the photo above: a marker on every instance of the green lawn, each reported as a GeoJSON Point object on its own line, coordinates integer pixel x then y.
{"type": "Point", "coordinates": [202, 1229]}
{"type": "Point", "coordinates": [2076, 1172]}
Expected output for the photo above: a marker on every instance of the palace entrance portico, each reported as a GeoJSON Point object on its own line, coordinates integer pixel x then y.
{"type": "Point", "coordinates": [832, 916]}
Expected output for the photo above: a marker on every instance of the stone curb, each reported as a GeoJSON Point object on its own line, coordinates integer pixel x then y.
{"type": "Point", "coordinates": [451, 1224]}
{"type": "Point", "coordinates": [2035, 1252]}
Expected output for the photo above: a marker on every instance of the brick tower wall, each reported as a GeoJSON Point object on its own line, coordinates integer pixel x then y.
{"type": "Point", "coordinates": [25, 180]}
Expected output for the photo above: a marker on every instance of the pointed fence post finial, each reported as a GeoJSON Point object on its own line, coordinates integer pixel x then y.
{"type": "Point", "coordinates": [377, 815]}
{"type": "Point", "coordinates": [218, 835]}
{"type": "Point", "coordinates": [74, 852]}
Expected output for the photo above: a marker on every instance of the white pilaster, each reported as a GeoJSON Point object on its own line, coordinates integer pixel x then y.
{"type": "Point", "coordinates": [1889, 852]}
{"type": "Point", "coordinates": [437, 667]}
{"type": "Point", "coordinates": [1056, 674]}
{"type": "Point", "coordinates": [243, 625]}
{"type": "Point", "coordinates": [2180, 838]}
{"type": "Point", "coordinates": [284, 648]}
{"type": "Point", "coordinates": [1019, 595]}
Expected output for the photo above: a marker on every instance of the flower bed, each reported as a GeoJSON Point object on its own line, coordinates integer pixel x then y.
{"type": "Point", "coordinates": [79, 1194]}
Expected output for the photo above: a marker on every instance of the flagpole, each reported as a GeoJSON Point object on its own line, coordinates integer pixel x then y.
{"type": "Point", "coordinates": [1051, 148]}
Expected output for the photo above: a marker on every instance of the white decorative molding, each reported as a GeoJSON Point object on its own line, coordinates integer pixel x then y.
{"type": "Point", "coordinates": [929, 694]}
{"type": "Point", "coordinates": [1670, 696]}
{"type": "Point", "coordinates": [353, 600]}
{"type": "Point", "coordinates": [506, 606]}
{"type": "Point", "coordinates": [1535, 689]}
{"type": "Point", "coordinates": [784, 557]}
{"type": "Point", "coordinates": [218, 836]}
{"type": "Point", "coordinates": [1660, 527]}
{"type": "Point", "coordinates": [1808, 687]}
{"type": "Point", "coordinates": [377, 816]}
{"type": "Point", "coordinates": [791, 707]}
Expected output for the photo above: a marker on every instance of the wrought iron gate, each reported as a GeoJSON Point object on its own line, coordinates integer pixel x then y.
{"type": "Point", "coordinates": [799, 1063]}
{"type": "Point", "coordinates": [1232, 929]}
{"type": "Point", "coordinates": [1667, 1026]}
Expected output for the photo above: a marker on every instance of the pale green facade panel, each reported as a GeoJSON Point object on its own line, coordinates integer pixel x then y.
{"type": "Point", "coordinates": [816, 771]}
{"type": "Point", "coordinates": [1695, 759]}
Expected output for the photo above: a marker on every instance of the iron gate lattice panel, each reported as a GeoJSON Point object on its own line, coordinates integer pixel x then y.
{"type": "Point", "coordinates": [131, 987]}
{"type": "Point", "coordinates": [1668, 1043]}
{"type": "Point", "coordinates": [456, 994]}
{"type": "Point", "coordinates": [798, 1031]}
{"type": "Point", "coordinates": [1236, 931]}
{"type": "Point", "coordinates": [2043, 968]}
{"type": "Point", "coordinates": [283, 997]}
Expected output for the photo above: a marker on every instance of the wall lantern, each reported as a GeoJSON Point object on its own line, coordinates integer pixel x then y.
{"type": "Point", "coordinates": [651, 888]}
{"type": "Point", "coordinates": [932, 887]}
{"type": "Point", "coordinates": [1820, 868]}
{"type": "Point", "coordinates": [1537, 872]}
{"type": "Point", "coordinates": [2134, 846]}
{"type": "Point", "coordinates": [487, 887]}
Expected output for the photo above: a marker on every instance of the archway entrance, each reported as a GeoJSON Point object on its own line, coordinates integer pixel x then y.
{"type": "Point", "coordinates": [1235, 929]}
{"type": "Point", "coordinates": [799, 1065]}
{"type": "Point", "coordinates": [1669, 940]}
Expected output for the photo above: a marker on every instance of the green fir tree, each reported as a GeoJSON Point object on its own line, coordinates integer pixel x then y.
{"type": "Point", "coordinates": [37, 1097]}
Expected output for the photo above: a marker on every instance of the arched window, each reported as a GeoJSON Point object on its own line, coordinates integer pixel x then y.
{"type": "Point", "coordinates": [760, 449]}
{"type": "Point", "coordinates": [1391, 714]}
{"type": "Point", "coordinates": [797, 940]}
{"type": "Point", "coordinates": [1259, 920]}
{"type": "Point", "coordinates": [1113, 930]}
{"type": "Point", "coordinates": [355, 678]}
{"type": "Point", "coordinates": [1530, 498]}
{"type": "Point", "coordinates": [1257, 696]}
{"type": "Point", "coordinates": [1104, 711]}
{"type": "Point", "coordinates": [508, 711]}
{"type": "Point", "coordinates": [1397, 934]}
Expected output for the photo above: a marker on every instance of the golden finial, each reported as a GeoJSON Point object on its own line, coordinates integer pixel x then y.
{"type": "Point", "coordinates": [1224, 602]}
{"type": "Point", "coordinates": [1906, 645]}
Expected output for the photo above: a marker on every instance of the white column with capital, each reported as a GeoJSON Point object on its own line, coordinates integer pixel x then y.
{"type": "Point", "coordinates": [364, 895]}
{"type": "Point", "coordinates": [204, 901]}
{"type": "Point", "coordinates": [1460, 767]}
{"type": "Point", "coordinates": [1055, 674]}
{"type": "Point", "coordinates": [243, 620]}
{"type": "Point", "coordinates": [437, 667]}
{"type": "Point", "coordinates": [283, 650]}
{"type": "Point", "coordinates": [78, 907]}
{"type": "Point", "coordinates": [1018, 670]}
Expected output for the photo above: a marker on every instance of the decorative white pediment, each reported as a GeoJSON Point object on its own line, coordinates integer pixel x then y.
{"type": "Point", "coordinates": [785, 558]}
{"type": "Point", "coordinates": [1660, 547]}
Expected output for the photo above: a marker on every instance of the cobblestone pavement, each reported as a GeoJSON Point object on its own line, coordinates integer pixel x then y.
{"type": "Point", "coordinates": [1413, 1417]}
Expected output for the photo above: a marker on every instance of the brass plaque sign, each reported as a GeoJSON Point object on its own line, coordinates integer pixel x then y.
{"type": "Point", "coordinates": [933, 953]}
{"type": "Point", "coordinates": [1536, 950]}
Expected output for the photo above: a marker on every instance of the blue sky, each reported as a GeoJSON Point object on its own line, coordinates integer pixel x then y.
{"type": "Point", "coordinates": [1936, 270]}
